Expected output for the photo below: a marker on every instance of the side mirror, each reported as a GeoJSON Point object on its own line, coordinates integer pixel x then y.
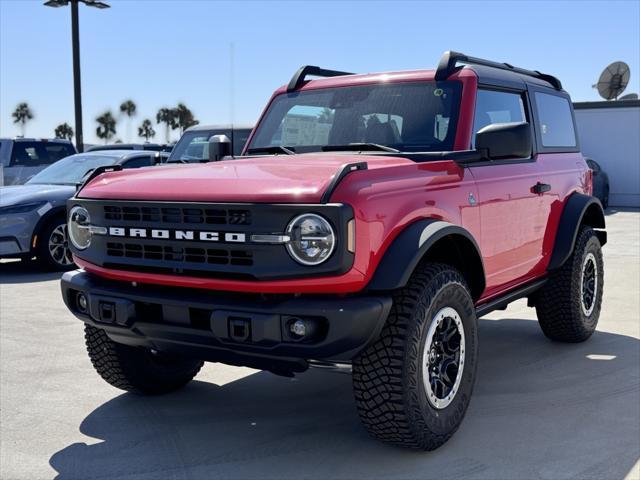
{"type": "Point", "coordinates": [505, 140]}
{"type": "Point", "coordinates": [219, 147]}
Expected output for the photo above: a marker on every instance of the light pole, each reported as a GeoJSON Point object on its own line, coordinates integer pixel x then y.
{"type": "Point", "coordinates": [75, 42]}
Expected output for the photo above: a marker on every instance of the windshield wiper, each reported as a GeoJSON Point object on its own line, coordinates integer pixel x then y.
{"type": "Point", "coordinates": [351, 147]}
{"type": "Point", "coordinates": [272, 149]}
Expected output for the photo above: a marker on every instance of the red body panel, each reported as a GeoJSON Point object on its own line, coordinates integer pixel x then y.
{"type": "Point", "coordinates": [275, 179]}
{"type": "Point", "coordinates": [514, 227]}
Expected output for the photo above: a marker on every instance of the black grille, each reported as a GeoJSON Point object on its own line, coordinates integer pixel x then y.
{"type": "Point", "coordinates": [226, 251]}
{"type": "Point", "coordinates": [170, 253]}
{"type": "Point", "coordinates": [180, 215]}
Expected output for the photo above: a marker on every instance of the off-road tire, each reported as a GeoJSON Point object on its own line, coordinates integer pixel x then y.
{"type": "Point", "coordinates": [43, 253]}
{"type": "Point", "coordinates": [388, 385]}
{"type": "Point", "coordinates": [559, 302]}
{"type": "Point", "coordinates": [136, 369]}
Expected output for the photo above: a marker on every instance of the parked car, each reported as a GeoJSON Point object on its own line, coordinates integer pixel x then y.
{"type": "Point", "coordinates": [358, 228]}
{"type": "Point", "coordinates": [131, 146]}
{"type": "Point", "coordinates": [193, 145]}
{"type": "Point", "coordinates": [33, 216]}
{"type": "Point", "coordinates": [22, 158]}
{"type": "Point", "coordinates": [600, 182]}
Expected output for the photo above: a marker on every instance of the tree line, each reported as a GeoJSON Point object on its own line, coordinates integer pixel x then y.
{"type": "Point", "coordinates": [179, 117]}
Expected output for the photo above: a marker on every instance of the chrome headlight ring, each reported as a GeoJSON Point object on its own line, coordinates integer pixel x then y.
{"type": "Point", "coordinates": [312, 239]}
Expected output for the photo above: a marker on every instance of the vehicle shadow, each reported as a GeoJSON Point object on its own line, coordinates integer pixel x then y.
{"type": "Point", "coordinates": [25, 271]}
{"type": "Point", "coordinates": [540, 410]}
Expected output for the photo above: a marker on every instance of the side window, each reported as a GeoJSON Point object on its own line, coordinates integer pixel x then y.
{"type": "Point", "coordinates": [57, 151]}
{"type": "Point", "coordinates": [138, 162]}
{"type": "Point", "coordinates": [556, 122]}
{"type": "Point", "coordinates": [497, 107]}
{"type": "Point", "coordinates": [28, 154]}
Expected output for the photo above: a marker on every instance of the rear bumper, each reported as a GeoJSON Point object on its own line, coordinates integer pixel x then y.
{"type": "Point", "coordinates": [239, 329]}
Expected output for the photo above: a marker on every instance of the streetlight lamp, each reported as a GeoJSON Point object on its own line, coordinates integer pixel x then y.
{"type": "Point", "coordinates": [75, 41]}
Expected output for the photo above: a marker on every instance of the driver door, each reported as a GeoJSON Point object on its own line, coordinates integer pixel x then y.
{"type": "Point", "coordinates": [512, 216]}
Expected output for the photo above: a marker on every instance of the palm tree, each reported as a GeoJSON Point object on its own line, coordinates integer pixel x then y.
{"type": "Point", "coordinates": [22, 114]}
{"type": "Point", "coordinates": [64, 130]}
{"type": "Point", "coordinates": [184, 117]}
{"type": "Point", "coordinates": [106, 126]}
{"type": "Point", "coordinates": [128, 108]}
{"type": "Point", "coordinates": [168, 117]}
{"type": "Point", "coordinates": [146, 130]}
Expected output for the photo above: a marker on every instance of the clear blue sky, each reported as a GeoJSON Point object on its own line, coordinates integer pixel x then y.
{"type": "Point", "coordinates": [161, 52]}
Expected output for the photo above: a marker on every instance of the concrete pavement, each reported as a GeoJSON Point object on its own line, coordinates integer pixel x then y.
{"type": "Point", "coordinates": [540, 410]}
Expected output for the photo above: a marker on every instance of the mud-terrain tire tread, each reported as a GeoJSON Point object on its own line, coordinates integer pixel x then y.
{"type": "Point", "coordinates": [558, 302]}
{"type": "Point", "coordinates": [125, 367]}
{"type": "Point", "coordinates": [379, 381]}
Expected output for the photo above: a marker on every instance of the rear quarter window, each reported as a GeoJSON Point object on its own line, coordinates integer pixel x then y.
{"type": "Point", "coordinates": [555, 121]}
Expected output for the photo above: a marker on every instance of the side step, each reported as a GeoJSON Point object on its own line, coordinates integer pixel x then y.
{"type": "Point", "coordinates": [501, 303]}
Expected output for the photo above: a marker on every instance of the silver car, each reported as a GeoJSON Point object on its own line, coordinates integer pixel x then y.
{"type": "Point", "coordinates": [22, 158]}
{"type": "Point", "coordinates": [33, 216]}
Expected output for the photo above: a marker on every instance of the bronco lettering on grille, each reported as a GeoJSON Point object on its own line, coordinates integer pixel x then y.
{"type": "Point", "coordinates": [188, 235]}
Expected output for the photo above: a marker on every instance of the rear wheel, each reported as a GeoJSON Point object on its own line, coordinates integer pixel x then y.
{"type": "Point", "coordinates": [413, 384]}
{"type": "Point", "coordinates": [53, 246]}
{"type": "Point", "coordinates": [568, 305]}
{"type": "Point", "coordinates": [137, 369]}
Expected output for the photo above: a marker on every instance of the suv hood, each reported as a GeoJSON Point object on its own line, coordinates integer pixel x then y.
{"type": "Point", "coordinates": [274, 179]}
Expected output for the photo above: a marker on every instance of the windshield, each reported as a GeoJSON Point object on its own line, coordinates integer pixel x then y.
{"type": "Point", "coordinates": [194, 146]}
{"type": "Point", "coordinates": [410, 117]}
{"type": "Point", "coordinates": [71, 170]}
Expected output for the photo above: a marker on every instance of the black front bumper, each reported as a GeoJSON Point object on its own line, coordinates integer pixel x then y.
{"type": "Point", "coordinates": [238, 329]}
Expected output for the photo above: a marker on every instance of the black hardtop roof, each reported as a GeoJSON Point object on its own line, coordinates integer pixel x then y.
{"type": "Point", "coordinates": [490, 72]}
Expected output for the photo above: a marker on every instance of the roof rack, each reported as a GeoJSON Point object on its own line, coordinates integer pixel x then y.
{"type": "Point", "coordinates": [301, 75]}
{"type": "Point", "coordinates": [449, 60]}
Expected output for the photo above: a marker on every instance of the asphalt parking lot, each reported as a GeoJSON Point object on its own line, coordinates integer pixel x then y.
{"type": "Point", "coordinates": [540, 409]}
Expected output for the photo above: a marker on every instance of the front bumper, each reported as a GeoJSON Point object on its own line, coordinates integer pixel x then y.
{"type": "Point", "coordinates": [16, 232]}
{"type": "Point", "coordinates": [239, 329]}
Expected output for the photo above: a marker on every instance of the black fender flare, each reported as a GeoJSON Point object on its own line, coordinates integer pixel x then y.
{"type": "Point", "coordinates": [580, 209]}
{"type": "Point", "coordinates": [411, 245]}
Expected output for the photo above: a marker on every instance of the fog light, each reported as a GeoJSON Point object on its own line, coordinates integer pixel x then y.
{"type": "Point", "coordinates": [299, 328]}
{"type": "Point", "coordinates": [82, 302]}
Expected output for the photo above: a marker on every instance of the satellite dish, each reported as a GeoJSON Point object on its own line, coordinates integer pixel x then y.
{"type": "Point", "coordinates": [613, 80]}
{"type": "Point", "coordinates": [629, 96]}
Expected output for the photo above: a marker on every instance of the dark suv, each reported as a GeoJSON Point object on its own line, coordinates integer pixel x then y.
{"type": "Point", "coordinates": [370, 221]}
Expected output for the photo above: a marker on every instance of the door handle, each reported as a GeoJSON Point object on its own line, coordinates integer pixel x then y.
{"type": "Point", "coordinates": [540, 188]}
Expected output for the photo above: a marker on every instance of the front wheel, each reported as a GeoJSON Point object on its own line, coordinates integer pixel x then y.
{"type": "Point", "coordinates": [569, 303]}
{"type": "Point", "coordinates": [414, 383]}
{"type": "Point", "coordinates": [53, 246]}
{"type": "Point", "coordinates": [137, 369]}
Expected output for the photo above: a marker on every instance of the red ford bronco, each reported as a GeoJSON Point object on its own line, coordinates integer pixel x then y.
{"type": "Point", "coordinates": [370, 221]}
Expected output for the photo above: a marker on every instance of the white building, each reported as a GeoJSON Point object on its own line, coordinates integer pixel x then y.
{"type": "Point", "coordinates": [609, 133]}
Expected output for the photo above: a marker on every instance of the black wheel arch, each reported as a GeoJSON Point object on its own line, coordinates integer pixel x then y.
{"type": "Point", "coordinates": [53, 214]}
{"type": "Point", "coordinates": [430, 240]}
{"type": "Point", "coordinates": [579, 210]}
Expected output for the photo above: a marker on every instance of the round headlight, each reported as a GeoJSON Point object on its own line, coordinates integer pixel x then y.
{"type": "Point", "coordinates": [78, 227]}
{"type": "Point", "coordinates": [311, 239]}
